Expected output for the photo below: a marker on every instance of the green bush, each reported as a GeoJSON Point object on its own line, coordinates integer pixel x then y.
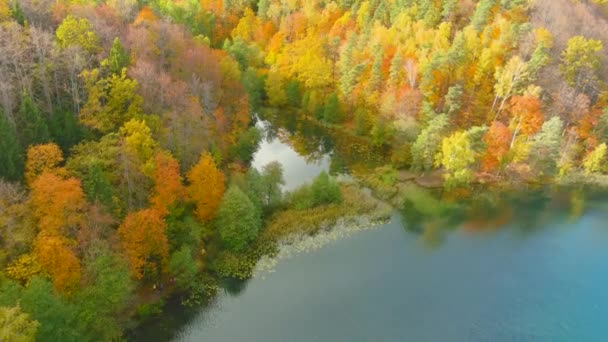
{"type": "Point", "coordinates": [323, 190]}
{"type": "Point", "coordinates": [238, 221]}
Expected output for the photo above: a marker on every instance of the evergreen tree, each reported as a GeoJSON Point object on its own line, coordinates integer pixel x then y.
{"type": "Point", "coordinates": [118, 58]}
{"type": "Point", "coordinates": [11, 153]}
{"type": "Point", "coordinates": [32, 127]}
{"type": "Point", "coordinates": [332, 112]}
{"type": "Point", "coordinates": [97, 186]}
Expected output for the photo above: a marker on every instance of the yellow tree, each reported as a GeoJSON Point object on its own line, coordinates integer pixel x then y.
{"type": "Point", "coordinates": [206, 187]}
{"type": "Point", "coordinates": [40, 159]}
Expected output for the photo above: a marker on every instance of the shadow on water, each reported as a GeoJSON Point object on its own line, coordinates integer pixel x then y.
{"type": "Point", "coordinates": [433, 214]}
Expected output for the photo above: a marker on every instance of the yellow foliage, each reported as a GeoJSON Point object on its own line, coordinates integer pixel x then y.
{"type": "Point", "coordinates": [24, 268]}
{"type": "Point", "coordinates": [40, 159]}
{"type": "Point", "coordinates": [206, 187]}
{"type": "Point", "coordinates": [5, 11]}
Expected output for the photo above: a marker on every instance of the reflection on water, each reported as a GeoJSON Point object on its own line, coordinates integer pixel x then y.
{"type": "Point", "coordinates": [489, 266]}
{"type": "Point", "coordinates": [297, 169]}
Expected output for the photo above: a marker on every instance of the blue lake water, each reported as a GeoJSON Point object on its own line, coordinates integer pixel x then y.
{"type": "Point", "coordinates": [519, 266]}
{"type": "Point", "coordinates": [501, 283]}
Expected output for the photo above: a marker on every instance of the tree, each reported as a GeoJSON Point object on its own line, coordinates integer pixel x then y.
{"type": "Point", "coordinates": [332, 112]}
{"type": "Point", "coordinates": [206, 187]}
{"type": "Point", "coordinates": [594, 161]}
{"type": "Point", "coordinates": [17, 325]}
{"type": "Point", "coordinates": [118, 57]}
{"type": "Point", "coordinates": [183, 267]}
{"type": "Point", "coordinates": [482, 14]}
{"type": "Point", "coordinates": [325, 190]}
{"type": "Point", "coordinates": [97, 186]}
{"type": "Point", "coordinates": [11, 158]}
{"type": "Point", "coordinates": [580, 63]}
{"type": "Point", "coordinates": [456, 156]}
{"type": "Point", "coordinates": [497, 145]}
{"type": "Point", "coordinates": [111, 101]}
{"type": "Point", "coordinates": [101, 303]}
{"type": "Point", "coordinates": [78, 32]}
{"type": "Point", "coordinates": [272, 180]}
{"type": "Point", "coordinates": [24, 268]}
{"type": "Point", "coordinates": [236, 220]}
{"type": "Point", "coordinates": [275, 89]}
{"type": "Point", "coordinates": [526, 114]}
{"type": "Point", "coordinates": [168, 188]}
{"type": "Point", "coordinates": [32, 126]}
{"type": "Point", "coordinates": [510, 80]}
{"type": "Point", "coordinates": [57, 203]}
{"type": "Point", "coordinates": [427, 143]}
{"type": "Point", "coordinates": [41, 159]}
{"type": "Point", "coordinates": [58, 260]}
{"type": "Point", "coordinates": [56, 315]}
{"type": "Point", "coordinates": [143, 239]}
{"type": "Point", "coordinates": [546, 144]}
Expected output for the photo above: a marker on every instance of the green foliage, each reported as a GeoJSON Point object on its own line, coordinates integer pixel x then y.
{"type": "Point", "coordinates": [545, 146]}
{"type": "Point", "coordinates": [118, 58]}
{"type": "Point", "coordinates": [332, 113]}
{"type": "Point", "coordinates": [100, 305]}
{"type": "Point", "coordinates": [57, 317]}
{"type": "Point", "coordinates": [247, 144]}
{"type": "Point", "coordinates": [183, 230]}
{"type": "Point", "coordinates": [362, 121]}
{"type": "Point", "coordinates": [581, 62]}
{"type": "Point", "coordinates": [382, 133]}
{"type": "Point", "coordinates": [293, 93]}
{"type": "Point", "coordinates": [237, 219]}
{"type": "Point", "coordinates": [482, 14]}
{"type": "Point", "coordinates": [147, 310]}
{"type": "Point", "coordinates": [97, 186]}
{"type": "Point", "coordinates": [16, 325]}
{"type": "Point", "coordinates": [65, 129]}
{"type": "Point", "coordinates": [427, 143]}
{"type": "Point", "coordinates": [323, 191]}
{"type": "Point", "coordinates": [254, 86]}
{"type": "Point", "coordinates": [183, 268]}
{"type": "Point", "coordinates": [11, 158]}
{"type": "Point", "coordinates": [112, 101]}
{"type": "Point", "coordinates": [32, 126]}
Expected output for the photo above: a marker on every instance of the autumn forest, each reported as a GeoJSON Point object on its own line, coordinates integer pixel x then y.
{"type": "Point", "coordinates": [128, 127]}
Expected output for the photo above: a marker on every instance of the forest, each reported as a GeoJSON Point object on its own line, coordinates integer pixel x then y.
{"type": "Point", "coordinates": [127, 129]}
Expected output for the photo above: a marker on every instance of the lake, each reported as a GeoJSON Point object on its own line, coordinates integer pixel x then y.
{"type": "Point", "coordinates": [526, 265]}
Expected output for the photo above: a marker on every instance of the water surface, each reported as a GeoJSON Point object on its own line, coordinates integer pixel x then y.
{"type": "Point", "coordinates": [479, 266]}
{"type": "Point", "coordinates": [479, 283]}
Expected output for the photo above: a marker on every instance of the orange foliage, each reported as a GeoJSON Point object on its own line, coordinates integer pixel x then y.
{"type": "Point", "coordinates": [145, 14]}
{"type": "Point", "coordinates": [214, 6]}
{"type": "Point", "coordinates": [206, 187]}
{"type": "Point", "coordinates": [497, 142]}
{"type": "Point", "coordinates": [168, 187]}
{"type": "Point", "coordinates": [40, 159]}
{"type": "Point", "coordinates": [143, 239]}
{"type": "Point", "coordinates": [57, 203]}
{"type": "Point", "coordinates": [528, 110]}
{"type": "Point", "coordinates": [56, 258]}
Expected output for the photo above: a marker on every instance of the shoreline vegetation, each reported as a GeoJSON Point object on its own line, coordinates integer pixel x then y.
{"type": "Point", "coordinates": [127, 132]}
